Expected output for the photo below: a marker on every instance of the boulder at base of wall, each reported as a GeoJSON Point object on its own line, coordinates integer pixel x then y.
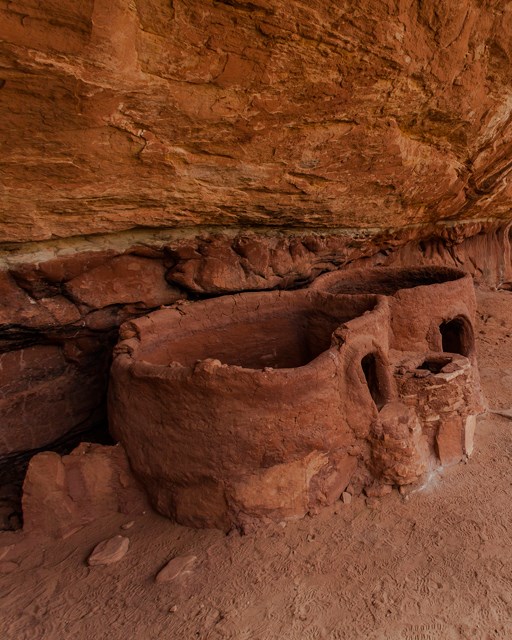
{"type": "Point", "coordinates": [63, 493]}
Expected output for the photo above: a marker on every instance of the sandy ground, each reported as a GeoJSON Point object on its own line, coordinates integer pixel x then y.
{"type": "Point", "coordinates": [436, 565]}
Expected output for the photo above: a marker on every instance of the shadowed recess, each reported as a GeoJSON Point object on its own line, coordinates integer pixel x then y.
{"type": "Point", "coordinates": [371, 374]}
{"type": "Point", "coordinates": [274, 337]}
{"type": "Point", "coordinates": [389, 280]}
{"type": "Point", "coordinates": [457, 336]}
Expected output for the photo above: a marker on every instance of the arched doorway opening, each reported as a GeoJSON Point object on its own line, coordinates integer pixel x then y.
{"type": "Point", "coordinates": [457, 336]}
{"type": "Point", "coordinates": [370, 369]}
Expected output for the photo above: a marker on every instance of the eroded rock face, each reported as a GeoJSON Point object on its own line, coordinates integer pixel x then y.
{"type": "Point", "coordinates": [323, 114]}
{"type": "Point", "coordinates": [58, 324]}
{"type": "Point", "coordinates": [266, 404]}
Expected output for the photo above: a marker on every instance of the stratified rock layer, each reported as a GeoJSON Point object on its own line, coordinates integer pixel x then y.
{"type": "Point", "coordinates": [326, 114]}
{"type": "Point", "coordinates": [58, 324]}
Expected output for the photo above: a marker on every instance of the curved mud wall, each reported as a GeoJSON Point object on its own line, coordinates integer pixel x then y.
{"type": "Point", "coordinates": [422, 301]}
{"type": "Point", "coordinates": [229, 408]}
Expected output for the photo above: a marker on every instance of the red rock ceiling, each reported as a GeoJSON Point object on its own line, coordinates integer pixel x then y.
{"type": "Point", "coordinates": [319, 113]}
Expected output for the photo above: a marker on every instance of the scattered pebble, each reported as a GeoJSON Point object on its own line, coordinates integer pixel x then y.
{"type": "Point", "coordinates": [175, 568]}
{"type": "Point", "coordinates": [346, 497]}
{"type": "Point", "coordinates": [109, 551]}
{"type": "Point", "coordinates": [173, 609]}
{"type": "Point", "coordinates": [128, 525]}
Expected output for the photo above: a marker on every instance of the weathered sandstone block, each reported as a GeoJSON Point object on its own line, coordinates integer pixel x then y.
{"type": "Point", "coordinates": [63, 493]}
{"type": "Point", "coordinates": [58, 325]}
{"type": "Point", "coordinates": [48, 390]}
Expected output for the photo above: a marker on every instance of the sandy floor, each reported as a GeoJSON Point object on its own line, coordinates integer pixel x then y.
{"type": "Point", "coordinates": [437, 565]}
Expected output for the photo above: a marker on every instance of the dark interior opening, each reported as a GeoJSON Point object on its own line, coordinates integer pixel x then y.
{"type": "Point", "coordinates": [435, 365]}
{"type": "Point", "coordinates": [388, 280]}
{"type": "Point", "coordinates": [269, 337]}
{"type": "Point", "coordinates": [370, 370]}
{"type": "Point", "coordinates": [457, 336]}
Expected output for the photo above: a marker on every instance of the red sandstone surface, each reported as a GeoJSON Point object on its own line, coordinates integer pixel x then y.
{"type": "Point", "coordinates": [62, 494]}
{"type": "Point", "coordinates": [159, 151]}
{"type": "Point", "coordinates": [434, 564]}
{"type": "Point", "coordinates": [219, 112]}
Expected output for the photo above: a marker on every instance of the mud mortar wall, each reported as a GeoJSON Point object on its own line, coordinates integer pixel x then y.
{"type": "Point", "coordinates": [238, 431]}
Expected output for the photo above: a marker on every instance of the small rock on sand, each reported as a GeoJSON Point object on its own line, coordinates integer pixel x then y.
{"type": "Point", "coordinates": [175, 568]}
{"type": "Point", "coordinates": [109, 551]}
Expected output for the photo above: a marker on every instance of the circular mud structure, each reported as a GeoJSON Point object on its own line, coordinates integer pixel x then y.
{"type": "Point", "coordinates": [385, 281]}
{"type": "Point", "coordinates": [262, 405]}
{"type": "Point", "coordinates": [252, 405]}
{"type": "Point", "coordinates": [432, 308]}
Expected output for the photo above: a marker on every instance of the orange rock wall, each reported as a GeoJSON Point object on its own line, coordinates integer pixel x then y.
{"type": "Point", "coordinates": [173, 113]}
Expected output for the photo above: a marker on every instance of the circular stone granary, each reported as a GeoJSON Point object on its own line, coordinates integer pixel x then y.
{"type": "Point", "coordinates": [269, 404]}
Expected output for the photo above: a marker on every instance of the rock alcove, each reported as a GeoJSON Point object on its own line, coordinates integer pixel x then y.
{"type": "Point", "coordinates": [240, 243]}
